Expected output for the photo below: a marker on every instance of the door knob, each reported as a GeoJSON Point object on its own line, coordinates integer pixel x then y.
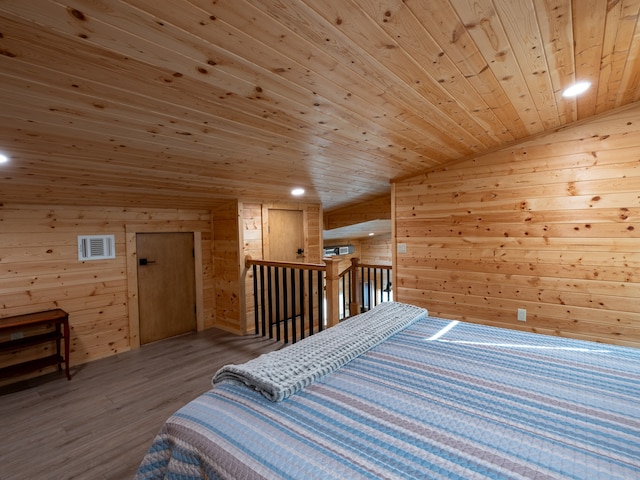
{"type": "Point", "coordinates": [144, 261]}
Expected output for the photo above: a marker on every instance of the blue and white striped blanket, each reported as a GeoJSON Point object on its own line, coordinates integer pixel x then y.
{"type": "Point", "coordinates": [279, 374]}
{"type": "Point", "coordinates": [439, 399]}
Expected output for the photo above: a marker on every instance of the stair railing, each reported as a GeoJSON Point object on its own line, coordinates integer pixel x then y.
{"type": "Point", "coordinates": [294, 300]}
{"type": "Point", "coordinates": [289, 298]}
{"type": "Point", "coordinates": [363, 286]}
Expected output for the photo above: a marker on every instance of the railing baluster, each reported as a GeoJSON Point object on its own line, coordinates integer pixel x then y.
{"type": "Point", "coordinates": [285, 304]}
{"type": "Point", "coordinates": [350, 294]}
{"type": "Point", "coordinates": [302, 315]}
{"type": "Point", "coordinates": [383, 286]}
{"type": "Point", "coordinates": [276, 280]}
{"type": "Point", "coordinates": [362, 306]}
{"type": "Point", "coordinates": [294, 310]}
{"type": "Point", "coordinates": [263, 305]}
{"type": "Point", "coordinates": [310, 293]}
{"type": "Point", "coordinates": [320, 302]}
{"type": "Point", "coordinates": [270, 297]}
{"type": "Point", "coordinates": [369, 289]}
{"type": "Point", "coordinates": [256, 312]}
{"type": "Point", "coordinates": [387, 285]}
{"type": "Point", "coordinates": [375, 287]}
{"type": "Point", "coordinates": [343, 309]}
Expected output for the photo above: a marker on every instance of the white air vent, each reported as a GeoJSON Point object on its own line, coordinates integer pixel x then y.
{"type": "Point", "coordinates": [96, 247]}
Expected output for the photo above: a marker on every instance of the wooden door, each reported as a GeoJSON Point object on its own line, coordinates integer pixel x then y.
{"type": "Point", "coordinates": [286, 244]}
{"type": "Point", "coordinates": [286, 235]}
{"type": "Point", "coordinates": [166, 285]}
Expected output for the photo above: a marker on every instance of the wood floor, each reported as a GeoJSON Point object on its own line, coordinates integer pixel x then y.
{"type": "Point", "coordinates": [100, 424]}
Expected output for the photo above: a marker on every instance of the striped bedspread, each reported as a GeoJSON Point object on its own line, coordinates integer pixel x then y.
{"type": "Point", "coordinates": [440, 399]}
{"type": "Point", "coordinates": [278, 375]}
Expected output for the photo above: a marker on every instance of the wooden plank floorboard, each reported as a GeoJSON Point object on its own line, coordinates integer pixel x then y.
{"type": "Point", "coordinates": [99, 425]}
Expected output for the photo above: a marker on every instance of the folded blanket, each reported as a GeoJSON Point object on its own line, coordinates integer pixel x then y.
{"type": "Point", "coordinates": [279, 374]}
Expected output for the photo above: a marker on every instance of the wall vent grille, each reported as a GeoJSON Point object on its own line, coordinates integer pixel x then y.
{"type": "Point", "coordinates": [96, 247]}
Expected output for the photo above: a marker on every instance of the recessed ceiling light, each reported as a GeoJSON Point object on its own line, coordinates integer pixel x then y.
{"type": "Point", "coordinates": [576, 89]}
{"type": "Point", "coordinates": [371, 234]}
{"type": "Point", "coordinates": [3, 158]}
{"type": "Point", "coordinates": [297, 192]}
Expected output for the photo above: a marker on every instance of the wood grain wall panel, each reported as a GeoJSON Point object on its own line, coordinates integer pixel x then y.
{"type": "Point", "coordinates": [376, 250]}
{"type": "Point", "coordinates": [314, 233]}
{"type": "Point", "coordinates": [551, 225]}
{"type": "Point", "coordinates": [208, 278]}
{"type": "Point", "coordinates": [252, 231]}
{"type": "Point", "coordinates": [227, 267]}
{"type": "Point", "coordinates": [39, 268]}
{"type": "Point", "coordinates": [253, 245]}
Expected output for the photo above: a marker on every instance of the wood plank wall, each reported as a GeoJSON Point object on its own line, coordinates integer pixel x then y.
{"type": "Point", "coordinates": [376, 250]}
{"type": "Point", "coordinates": [314, 233]}
{"type": "Point", "coordinates": [252, 244]}
{"type": "Point", "coordinates": [39, 269]}
{"type": "Point", "coordinates": [227, 267]}
{"type": "Point", "coordinates": [551, 225]}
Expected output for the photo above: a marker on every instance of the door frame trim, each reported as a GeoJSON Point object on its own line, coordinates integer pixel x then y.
{"type": "Point", "coordinates": [132, 272]}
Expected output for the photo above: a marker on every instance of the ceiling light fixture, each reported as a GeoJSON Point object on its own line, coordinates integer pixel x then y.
{"type": "Point", "coordinates": [297, 192]}
{"type": "Point", "coordinates": [3, 158]}
{"type": "Point", "coordinates": [576, 89]}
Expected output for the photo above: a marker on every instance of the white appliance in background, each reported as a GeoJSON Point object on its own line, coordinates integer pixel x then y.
{"type": "Point", "coordinates": [338, 250]}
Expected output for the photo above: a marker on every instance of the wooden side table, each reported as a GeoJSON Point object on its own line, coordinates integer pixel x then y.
{"type": "Point", "coordinates": [59, 321]}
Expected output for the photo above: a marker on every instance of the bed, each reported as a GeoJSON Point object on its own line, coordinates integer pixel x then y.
{"type": "Point", "coordinates": [394, 393]}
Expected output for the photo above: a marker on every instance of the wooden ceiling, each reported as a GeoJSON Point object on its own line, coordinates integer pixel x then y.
{"type": "Point", "coordinates": [184, 103]}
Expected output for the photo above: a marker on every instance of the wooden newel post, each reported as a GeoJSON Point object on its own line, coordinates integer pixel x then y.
{"type": "Point", "coordinates": [332, 291]}
{"type": "Point", "coordinates": [354, 306]}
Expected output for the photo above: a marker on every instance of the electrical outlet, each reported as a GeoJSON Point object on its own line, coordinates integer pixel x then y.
{"type": "Point", "coordinates": [522, 315]}
{"type": "Point", "coordinates": [402, 248]}
{"type": "Point", "coordinates": [17, 335]}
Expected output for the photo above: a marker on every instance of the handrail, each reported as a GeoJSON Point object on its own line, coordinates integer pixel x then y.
{"type": "Point", "coordinates": [270, 263]}
{"type": "Point", "coordinates": [373, 266]}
